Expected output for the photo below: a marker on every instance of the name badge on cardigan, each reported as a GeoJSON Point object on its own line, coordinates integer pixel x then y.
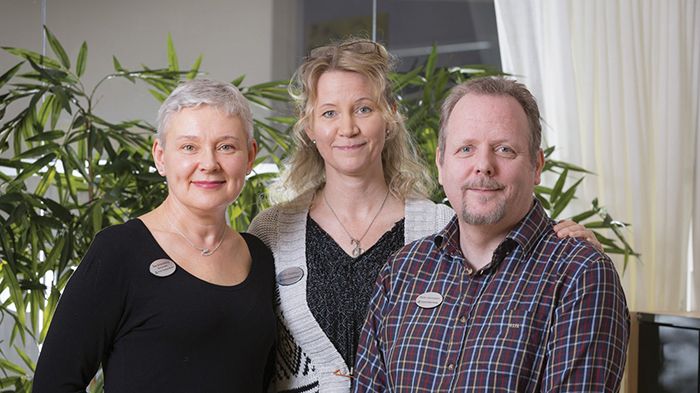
{"type": "Point", "coordinates": [290, 275]}
{"type": "Point", "coordinates": [162, 267]}
{"type": "Point", "coordinates": [429, 300]}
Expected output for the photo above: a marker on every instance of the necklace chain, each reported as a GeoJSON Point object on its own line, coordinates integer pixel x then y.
{"type": "Point", "coordinates": [357, 250]}
{"type": "Point", "coordinates": [204, 251]}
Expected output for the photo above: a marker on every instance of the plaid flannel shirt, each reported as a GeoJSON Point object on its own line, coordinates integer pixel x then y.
{"type": "Point", "coordinates": [546, 315]}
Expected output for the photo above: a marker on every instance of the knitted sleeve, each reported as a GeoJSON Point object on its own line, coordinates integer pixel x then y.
{"type": "Point", "coordinates": [265, 227]}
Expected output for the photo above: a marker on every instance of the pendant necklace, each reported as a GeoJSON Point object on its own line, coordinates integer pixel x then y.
{"type": "Point", "coordinates": [204, 251]}
{"type": "Point", "coordinates": [357, 250]}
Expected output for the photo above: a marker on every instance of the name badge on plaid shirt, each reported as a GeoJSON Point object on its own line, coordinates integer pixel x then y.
{"type": "Point", "coordinates": [429, 300]}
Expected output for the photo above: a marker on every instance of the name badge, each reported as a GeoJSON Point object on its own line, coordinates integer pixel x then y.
{"type": "Point", "coordinates": [290, 275]}
{"type": "Point", "coordinates": [162, 267]}
{"type": "Point", "coordinates": [429, 300]}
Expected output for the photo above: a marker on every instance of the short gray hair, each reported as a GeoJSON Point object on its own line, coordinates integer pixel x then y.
{"type": "Point", "coordinates": [494, 86]}
{"type": "Point", "coordinates": [191, 94]}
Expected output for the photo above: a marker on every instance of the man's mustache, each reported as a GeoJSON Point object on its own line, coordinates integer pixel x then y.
{"type": "Point", "coordinates": [483, 184]}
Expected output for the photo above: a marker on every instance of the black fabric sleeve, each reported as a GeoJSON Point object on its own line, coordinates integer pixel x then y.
{"type": "Point", "coordinates": [86, 320]}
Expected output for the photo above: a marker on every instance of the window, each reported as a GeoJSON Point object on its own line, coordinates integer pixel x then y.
{"type": "Point", "coordinates": [464, 31]}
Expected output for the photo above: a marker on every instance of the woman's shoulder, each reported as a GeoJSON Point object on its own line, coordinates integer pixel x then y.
{"type": "Point", "coordinates": [117, 236]}
{"type": "Point", "coordinates": [425, 217]}
{"type": "Point", "coordinates": [268, 220]}
{"type": "Point", "coordinates": [255, 245]}
{"type": "Point", "coordinates": [426, 206]}
{"type": "Point", "coordinates": [113, 251]}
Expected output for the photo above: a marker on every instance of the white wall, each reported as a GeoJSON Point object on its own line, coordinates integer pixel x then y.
{"type": "Point", "coordinates": [234, 37]}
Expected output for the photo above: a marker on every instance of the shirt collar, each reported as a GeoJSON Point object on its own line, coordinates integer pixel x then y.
{"type": "Point", "coordinates": [525, 233]}
{"type": "Point", "coordinates": [531, 227]}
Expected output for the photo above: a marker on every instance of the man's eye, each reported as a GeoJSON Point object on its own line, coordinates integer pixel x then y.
{"type": "Point", "coordinates": [188, 147]}
{"type": "Point", "coordinates": [505, 150]}
{"type": "Point", "coordinates": [465, 150]}
{"type": "Point", "coordinates": [227, 148]}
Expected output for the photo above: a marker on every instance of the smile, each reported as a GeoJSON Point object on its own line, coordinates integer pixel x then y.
{"type": "Point", "coordinates": [208, 183]}
{"type": "Point", "coordinates": [350, 147]}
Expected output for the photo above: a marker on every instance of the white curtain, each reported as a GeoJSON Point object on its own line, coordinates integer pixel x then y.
{"type": "Point", "coordinates": [618, 84]}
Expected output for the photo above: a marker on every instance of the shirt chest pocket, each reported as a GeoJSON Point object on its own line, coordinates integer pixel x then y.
{"type": "Point", "coordinates": [520, 329]}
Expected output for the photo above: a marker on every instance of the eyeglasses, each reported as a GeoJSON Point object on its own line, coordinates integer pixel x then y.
{"type": "Point", "coordinates": [362, 47]}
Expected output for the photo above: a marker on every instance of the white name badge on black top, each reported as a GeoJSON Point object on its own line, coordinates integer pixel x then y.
{"type": "Point", "coordinates": [162, 267]}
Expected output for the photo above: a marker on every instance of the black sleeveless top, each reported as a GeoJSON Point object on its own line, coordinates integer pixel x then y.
{"type": "Point", "coordinates": [339, 286]}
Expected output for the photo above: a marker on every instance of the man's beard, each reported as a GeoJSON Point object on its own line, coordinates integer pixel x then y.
{"type": "Point", "coordinates": [487, 218]}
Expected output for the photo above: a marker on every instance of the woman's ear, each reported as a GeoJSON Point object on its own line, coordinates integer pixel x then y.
{"type": "Point", "coordinates": [158, 156]}
{"type": "Point", "coordinates": [252, 152]}
{"type": "Point", "coordinates": [310, 134]}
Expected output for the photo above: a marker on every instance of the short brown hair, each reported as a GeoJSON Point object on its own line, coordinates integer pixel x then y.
{"type": "Point", "coordinates": [494, 86]}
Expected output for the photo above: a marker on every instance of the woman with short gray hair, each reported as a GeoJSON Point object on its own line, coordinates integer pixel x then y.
{"type": "Point", "coordinates": [174, 300]}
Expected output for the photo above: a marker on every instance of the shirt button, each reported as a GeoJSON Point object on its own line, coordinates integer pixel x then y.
{"type": "Point", "coordinates": [470, 271]}
{"type": "Point", "coordinates": [450, 366]}
{"type": "Point", "coordinates": [463, 319]}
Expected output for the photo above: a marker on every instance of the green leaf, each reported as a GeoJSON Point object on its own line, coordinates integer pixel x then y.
{"type": "Point", "coordinates": [40, 150]}
{"type": "Point", "coordinates": [8, 365]}
{"type": "Point", "coordinates": [194, 70]}
{"type": "Point", "coordinates": [172, 55]}
{"type": "Point", "coordinates": [49, 310]}
{"type": "Point", "coordinates": [543, 201]}
{"type": "Point", "coordinates": [82, 59]}
{"type": "Point", "coordinates": [47, 136]}
{"type": "Point", "coordinates": [97, 216]}
{"type": "Point", "coordinates": [548, 152]}
{"type": "Point", "coordinates": [237, 82]}
{"type": "Point", "coordinates": [62, 98]}
{"type": "Point", "coordinates": [33, 168]}
{"type": "Point", "coordinates": [46, 181]}
{"type": "Point", "coordinates": [46, 110]}
{"type": "Point", "coordinates": [57, 48]}
{"type": "Point", "coordinates": [584, 215]}
{"type": "Point", "coordinates": [430, 63]}
{"type": "Point", "coordinates": [16, 294]}
{"type": "Point", "coordinates": [117, 65]}
{"type": "Point", "coordinates": [158, 95]}
{"type": "Point", "coordinates": [563, 201]}
{"type": "Point", "coordinates": [558, 186]}
{"type": "Point", "coordinates": [4, 78]}
{"type": "Point", "coordinates": [597, 225]}
{"type": "Point", "coordinates": [34, 56]}
{"type": "Point", "coordinates": [25, 358]}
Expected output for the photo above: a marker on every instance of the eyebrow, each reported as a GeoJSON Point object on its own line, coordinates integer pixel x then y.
{"type": "Point", "coordinates": [194, 137]}
{"type": "Point", "coordinates": [361, 99]}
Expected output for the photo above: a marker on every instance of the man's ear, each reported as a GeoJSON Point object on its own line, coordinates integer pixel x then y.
{"type": "Point", "coordinates": [539, 165]}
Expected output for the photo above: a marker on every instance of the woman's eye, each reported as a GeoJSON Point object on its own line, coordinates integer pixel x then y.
{"type": "Point", "coordinates": [328, 114]}
{"type": "Point", "coordinates": [364, 110]}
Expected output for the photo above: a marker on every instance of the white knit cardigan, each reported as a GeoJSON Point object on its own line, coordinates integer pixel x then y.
{"type": "Point", "coordinates": [307, 361]}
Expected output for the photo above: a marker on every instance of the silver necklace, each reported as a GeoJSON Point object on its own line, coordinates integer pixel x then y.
{"type": "Point", "coordinates": [354, 242]}
{"type": "Point", "coordinates": [204, 251]}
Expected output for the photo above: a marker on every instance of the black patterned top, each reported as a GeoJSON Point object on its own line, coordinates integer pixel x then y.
{"type": "Point", "coordinates": [339, 286]}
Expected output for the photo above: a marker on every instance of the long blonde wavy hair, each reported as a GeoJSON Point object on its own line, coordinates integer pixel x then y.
{"type": "Point", "coordinates": [404, 171]}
